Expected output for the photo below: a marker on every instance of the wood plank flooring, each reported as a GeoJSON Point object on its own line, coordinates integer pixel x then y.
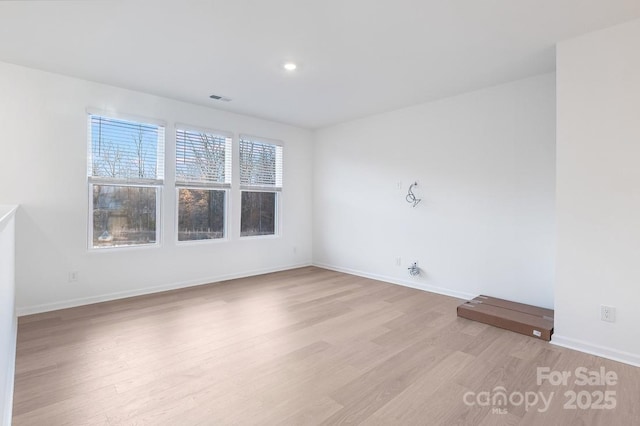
{"type": "Point", "coordinates": [306, 346]}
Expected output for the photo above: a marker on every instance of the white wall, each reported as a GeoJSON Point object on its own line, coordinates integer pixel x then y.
{"type": "Point", "coordinates": [43, 140]}
{"type": "Point", "coordinates": [8, 323]}
{"type": "Point", "coordinates": [484, 162]}
{"type": "Point", "coordinates": [598, 192]}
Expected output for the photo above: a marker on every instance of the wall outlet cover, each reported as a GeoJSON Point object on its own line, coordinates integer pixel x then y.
{"type": "Point", "coordinates": [608, 313]}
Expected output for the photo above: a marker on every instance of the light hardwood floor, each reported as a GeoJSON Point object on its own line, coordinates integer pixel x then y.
{"type": "Point", "coordinates": [306, 346]}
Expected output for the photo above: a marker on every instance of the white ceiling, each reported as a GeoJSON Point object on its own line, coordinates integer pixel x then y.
{"type": "Point", "coordinates": [355, 57]}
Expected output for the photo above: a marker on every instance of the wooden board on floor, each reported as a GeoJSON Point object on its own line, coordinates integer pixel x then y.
{"type": "Point", "coordinates": [524, 319]}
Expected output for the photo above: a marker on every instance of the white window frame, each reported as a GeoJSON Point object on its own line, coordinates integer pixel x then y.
{"type": "Point", "coordinates": [277, 224]}
{"type": "Point", "coordinates": [278, 190]}
{"type": "Point", "coordinates": [227, 194]}
{"type": "Point", "coordinates": [157, 183]}
{"type": "Point", "coordinates": [226, 188]}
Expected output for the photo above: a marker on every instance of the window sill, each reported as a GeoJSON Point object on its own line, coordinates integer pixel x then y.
{"type": "Point", "coordinates": [212, 241]}
{"type": "Point", "coordinates": [124, 248]}
{"type": "Point", "coordinates": [260, 237]}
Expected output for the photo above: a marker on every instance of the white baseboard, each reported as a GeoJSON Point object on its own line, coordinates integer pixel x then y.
{"type": "Point", "coordinates": [601, 351]}
{"type": "Point", "coordinates": [47, 307]}
{"type": "Point", "coordinates": [399, 281]}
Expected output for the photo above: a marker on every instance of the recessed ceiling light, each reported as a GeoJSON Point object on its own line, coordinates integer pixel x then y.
{"type": "Point", "coordinates": [290, 66]}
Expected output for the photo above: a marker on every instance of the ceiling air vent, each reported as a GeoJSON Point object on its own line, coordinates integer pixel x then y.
{"type": "Point", "coordinates": [220, 98]}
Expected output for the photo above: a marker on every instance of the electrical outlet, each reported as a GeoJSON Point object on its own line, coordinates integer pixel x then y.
{"type": "Point", "coordinates": [73, 276]}
{"type": "Point", "coordinates": [398, 261]}
{"type": "Point", "coordinates": [607, 313]}
{"type": "Point", "coordinates": [399, 185]}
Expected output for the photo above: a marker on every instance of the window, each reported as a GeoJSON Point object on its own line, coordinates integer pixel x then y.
{"type": "Point", "coordinates": [125, 171]}
{"type": "Point", "coordinates": [203, 178]}
{"type": "Point", "coordinates": [261, 185]}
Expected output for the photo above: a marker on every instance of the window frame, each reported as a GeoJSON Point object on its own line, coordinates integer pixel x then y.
{"type": "Point", "coordinates": [159, 217]}
{"type": "Point", "coordinates": [157, 183]}
{"type": "Point", "coordinates": [277, 215]}
{"type": "Point", "coordinates": [225, 187]}
{"type": "Point", "coordinates": [226, 209]}
{"type": "Point", "coordinates": [277, 190]}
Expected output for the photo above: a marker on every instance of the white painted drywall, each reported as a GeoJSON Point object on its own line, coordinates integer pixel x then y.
{"type": "Point", "coordinates": [8, 322]}
{"type": "Point", "coordinates": [484, 162]}
{"type": "Point", "coordinates": [598, 192]}
{"type": "Point", "coordinates": [43, 139]}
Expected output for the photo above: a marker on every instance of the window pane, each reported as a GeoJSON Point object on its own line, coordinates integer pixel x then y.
{"type": "Point", "coordinates": [258, 213]}
{"type": "Point", "coordinates": [202, 158]}
{"type": "Point", "coordinates": [200, 214]}
{"type": "Point", "coordinates": [260, 164]}
{"type": "Point", "coordinates": [123, 215]}
{"type": "Point", "coordinates": [121, 149]}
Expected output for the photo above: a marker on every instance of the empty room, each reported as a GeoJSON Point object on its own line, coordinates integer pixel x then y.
{"type": "Point", "coordinates": [288, 212]}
